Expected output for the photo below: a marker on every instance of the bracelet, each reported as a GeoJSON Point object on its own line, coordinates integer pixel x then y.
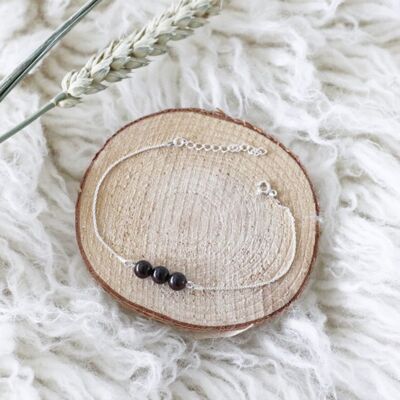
{"type": "Point", "coordinates": [160, 274]}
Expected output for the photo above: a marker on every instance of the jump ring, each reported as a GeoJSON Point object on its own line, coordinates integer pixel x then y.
{"type": "Point", "coordinates": [224, 149]}
{"type": "Point", "coordinates": [179, 141]}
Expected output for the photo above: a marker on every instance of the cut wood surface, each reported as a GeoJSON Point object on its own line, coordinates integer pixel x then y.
{"type": "Point", "coordinates": [199, 213]}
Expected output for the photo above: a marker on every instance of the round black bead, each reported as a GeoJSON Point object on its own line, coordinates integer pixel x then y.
{"type": "Point", "coordinates": [143, 269]}
{"type": "Point", "coordinates": [160, 275]}
{"type": "Point", "coordinates": [177, 281]}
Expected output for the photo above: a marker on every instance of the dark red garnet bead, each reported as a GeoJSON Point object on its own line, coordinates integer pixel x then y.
{"type": "Point", "coordinates": [160, 275]}
{"type": "Point", "coordinates": [177, 281]}
{"type": "Point", "coordinates": [143, 269]}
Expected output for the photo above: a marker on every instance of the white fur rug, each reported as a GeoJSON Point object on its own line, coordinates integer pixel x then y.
{"type": "Point", "coordinates": [324, 77]}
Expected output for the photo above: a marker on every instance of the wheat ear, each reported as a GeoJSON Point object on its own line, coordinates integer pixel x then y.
{"type": "Point", "coordinates": [117, 60]}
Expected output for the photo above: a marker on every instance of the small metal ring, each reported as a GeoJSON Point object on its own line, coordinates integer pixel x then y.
{"type": "Point", "coordinates": [273, 193]}
{"type": "Point", "coordinates": [190, 145]}
{"type": "Point", "coordinates": [261, 152]}
{"type": "Point", "coordinates": [263, 187]}
{"type": "Point", "coordinates": [224, 149]}
{"type": "Point", "coordinates": [179, 141]}
{"type": "Point", "coordinates": [234, 148]}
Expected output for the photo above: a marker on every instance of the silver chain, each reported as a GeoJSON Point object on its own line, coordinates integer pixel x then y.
{"type": "Point", "coordinates": [216, 148]}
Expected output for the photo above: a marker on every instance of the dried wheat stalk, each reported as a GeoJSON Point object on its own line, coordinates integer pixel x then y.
{"type": "Point", "coordinates": [116, 61]}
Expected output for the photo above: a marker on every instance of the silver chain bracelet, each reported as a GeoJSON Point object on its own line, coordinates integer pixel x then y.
{"type": "Point", "coordinates": [160, 274]}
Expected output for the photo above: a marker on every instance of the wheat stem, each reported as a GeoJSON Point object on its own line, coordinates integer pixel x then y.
{"type": "Point", "coordinates": [44, 109]}
{"type": "Point", "coordinates": [9, 82]}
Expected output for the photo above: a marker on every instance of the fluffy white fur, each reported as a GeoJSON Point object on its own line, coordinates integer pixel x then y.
{"type": "Point", "coordinates": [324, 77]}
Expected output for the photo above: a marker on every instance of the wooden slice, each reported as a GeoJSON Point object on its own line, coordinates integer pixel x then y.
{"type": "Point", "coordinates": [198, 213]}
